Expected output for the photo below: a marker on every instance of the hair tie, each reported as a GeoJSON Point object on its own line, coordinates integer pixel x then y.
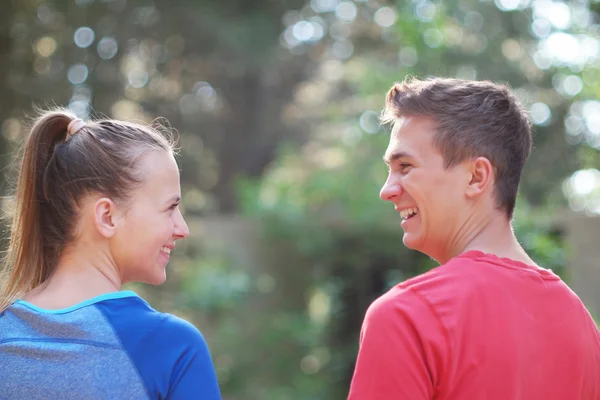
{"type": "Point", "coordinates": [75, 126]}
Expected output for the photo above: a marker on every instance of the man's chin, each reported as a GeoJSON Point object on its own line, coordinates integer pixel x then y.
{"type": "Point", "coordinates": [411, 241]}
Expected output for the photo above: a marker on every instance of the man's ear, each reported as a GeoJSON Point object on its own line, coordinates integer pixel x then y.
{"type": "Point", "coordinates": [105, 211]}
{"type": "Point", "coordinates": [481, 176]}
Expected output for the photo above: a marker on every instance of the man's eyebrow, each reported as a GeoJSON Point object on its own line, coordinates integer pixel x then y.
{"type": "Point", "coordinates": [390, 158]}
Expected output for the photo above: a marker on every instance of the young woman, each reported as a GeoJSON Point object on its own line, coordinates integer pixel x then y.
{"type": "Point", "coordinates": [96, 206]}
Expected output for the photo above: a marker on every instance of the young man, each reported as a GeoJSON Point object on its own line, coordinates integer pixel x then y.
{"type": "Point", "coordinates": [488, 323]}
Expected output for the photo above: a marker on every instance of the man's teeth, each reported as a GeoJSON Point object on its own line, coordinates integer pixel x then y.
{"type": "Point", "coordinates": [166, 250]}
{"type": "Point", "coordinates": [408, 212]}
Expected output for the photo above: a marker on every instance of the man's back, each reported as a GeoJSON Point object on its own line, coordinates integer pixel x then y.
{"type": "Point", "coordinates": [479, 327]}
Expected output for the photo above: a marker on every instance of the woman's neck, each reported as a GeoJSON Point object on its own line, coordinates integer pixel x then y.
{"type": "Point", "coordinates": [78, 276]}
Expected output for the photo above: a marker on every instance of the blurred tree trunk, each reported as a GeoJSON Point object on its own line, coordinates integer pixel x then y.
{"type": "Point", "coordinates": [7, 98]}
{"type": "Point", "coordinates": [237, 50]}
{"type": "Point", "coordinates": [253, 128]}
{"type": "Point", "coordinates": [6, 18]}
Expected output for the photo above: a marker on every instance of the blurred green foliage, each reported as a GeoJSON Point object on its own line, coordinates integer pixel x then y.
{"type": "Point", "coordinates": [281, 99]}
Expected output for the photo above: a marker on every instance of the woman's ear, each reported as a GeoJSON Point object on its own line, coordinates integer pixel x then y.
{"type": "Point", "coordinates": [105, 211]}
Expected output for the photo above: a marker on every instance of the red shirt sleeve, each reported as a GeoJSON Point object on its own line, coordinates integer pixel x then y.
{"type": "Point", "coordinates": [401, 350]}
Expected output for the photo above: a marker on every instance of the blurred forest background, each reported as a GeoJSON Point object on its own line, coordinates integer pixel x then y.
{"type": "Point", "coordinates": [276, 104]}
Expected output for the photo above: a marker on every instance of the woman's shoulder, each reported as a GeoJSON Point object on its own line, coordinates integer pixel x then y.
{"type": "Point", "coordinates": [161, 345]}
{"type": "Point", "coordinates": [135, 320]}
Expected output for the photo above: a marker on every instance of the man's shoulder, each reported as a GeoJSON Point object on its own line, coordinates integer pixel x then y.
{"type": "Point", "coordinates": [420, 288]}
{"type": "Point", "coordinates": [442, 285]}
{"type": "Point", "coordinates": [427, 299]}
{"type": "Point", "coordinates": [397, 304]}
{"type": "Point", "coordinates": [456, 270]}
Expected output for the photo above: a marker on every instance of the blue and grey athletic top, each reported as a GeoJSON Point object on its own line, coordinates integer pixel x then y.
{"type": "Point", "coordinates": [113, 346]}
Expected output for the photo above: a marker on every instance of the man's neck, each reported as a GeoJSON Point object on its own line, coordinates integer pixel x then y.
{"type": "Point", "coordinates": [497, 237]}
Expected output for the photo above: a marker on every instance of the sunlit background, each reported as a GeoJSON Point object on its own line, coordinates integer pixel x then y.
{"type": "Point", "coordinates": [276, 105]}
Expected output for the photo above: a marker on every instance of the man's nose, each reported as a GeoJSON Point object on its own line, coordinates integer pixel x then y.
{"type": "Point", "coordinates": [390, 190]}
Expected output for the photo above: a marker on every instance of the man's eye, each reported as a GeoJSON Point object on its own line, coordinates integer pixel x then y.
{"type": "Point", "coordinates": [404, 166]}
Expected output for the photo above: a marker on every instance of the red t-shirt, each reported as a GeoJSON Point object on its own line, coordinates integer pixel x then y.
{"type": "Point", "coordinates": [478, 328]}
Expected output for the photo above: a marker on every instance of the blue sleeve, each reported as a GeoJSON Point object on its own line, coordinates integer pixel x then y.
{"type": "Point", "coordinates": [169, 353]}
{"type": "Point", "coordinates": [193, 375]}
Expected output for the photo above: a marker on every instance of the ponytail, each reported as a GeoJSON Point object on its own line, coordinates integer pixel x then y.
{"type": "Point", "coordinates": [29, 260]}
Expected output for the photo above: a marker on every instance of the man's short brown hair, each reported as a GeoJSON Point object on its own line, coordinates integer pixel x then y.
{"type": "Point", "coordinates": [474, 119]}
